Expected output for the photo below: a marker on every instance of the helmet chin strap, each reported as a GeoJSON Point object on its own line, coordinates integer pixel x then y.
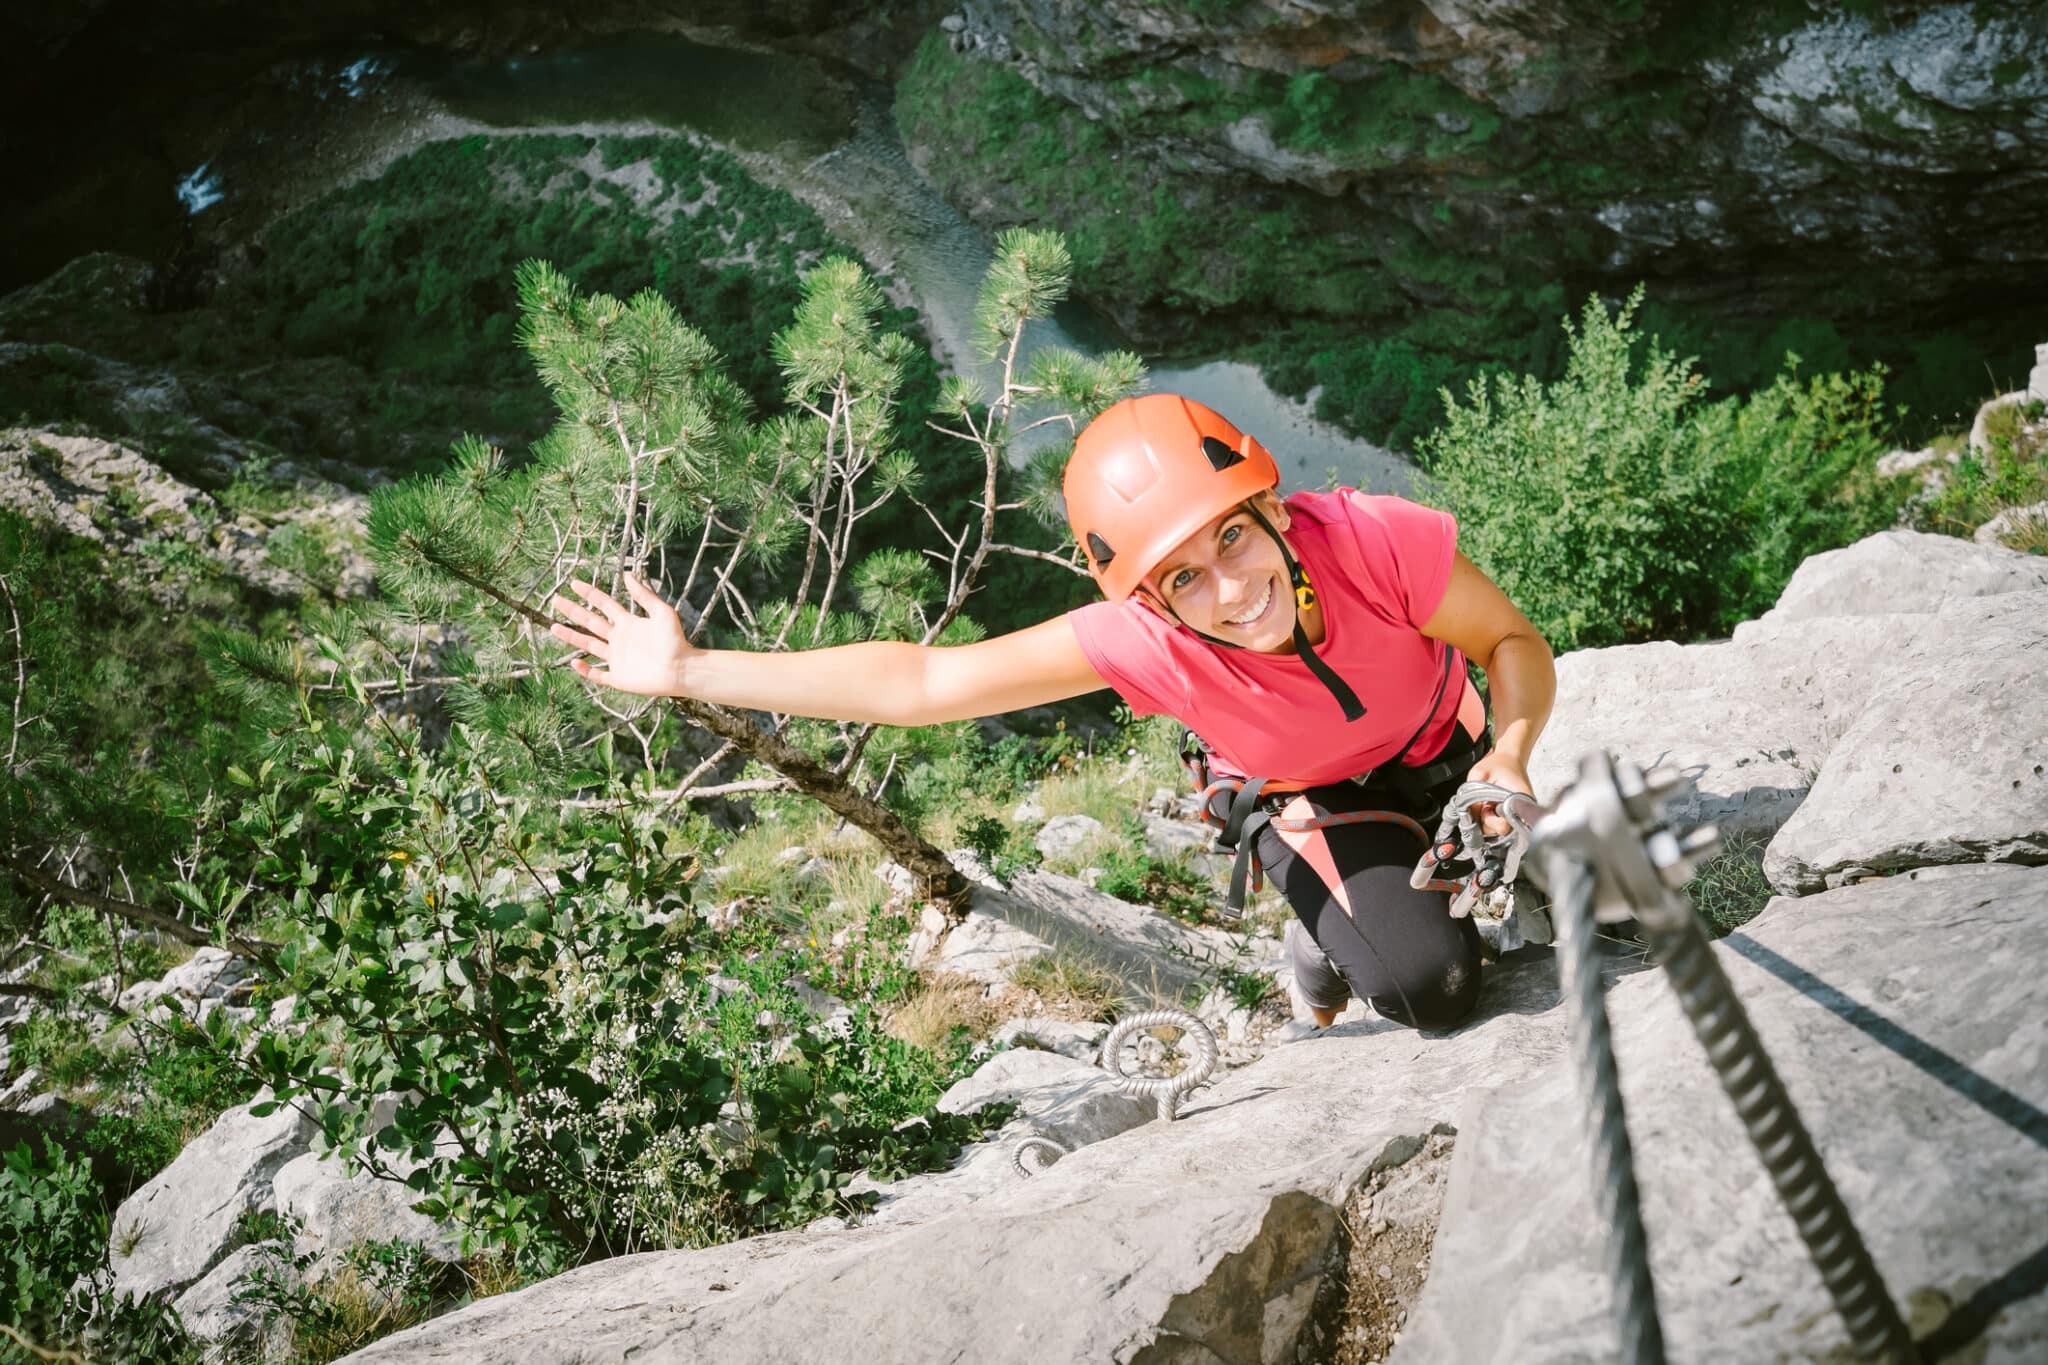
{"type": "Point", "coordinates": [1304, 598]}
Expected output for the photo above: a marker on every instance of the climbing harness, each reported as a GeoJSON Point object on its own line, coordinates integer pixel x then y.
{"type": "Point", "coordinates": [1606, 855]}
{"type": "Point", "coordinates": [1165, 1091]}
{"type": "Point", "coordinates": [1239, 807]}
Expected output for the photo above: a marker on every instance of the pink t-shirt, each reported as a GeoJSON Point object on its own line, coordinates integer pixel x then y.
{"type": "Point", "coordinates": [1380, 566]}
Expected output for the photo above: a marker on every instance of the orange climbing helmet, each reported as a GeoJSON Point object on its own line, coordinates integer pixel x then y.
{"type": "Point", "coordinates": [1150, 472]}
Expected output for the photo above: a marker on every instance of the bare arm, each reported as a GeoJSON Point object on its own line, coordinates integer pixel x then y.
{"type": "Point", "coordinates": [1476, 617]}
{"type": "Point", "coordinates": [880, 681]}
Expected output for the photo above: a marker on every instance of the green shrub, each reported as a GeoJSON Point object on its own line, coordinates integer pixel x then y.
{"type": "Point", "coordinates": [53, 1235]}
{"type": "Point", "coordinates": [2011, 471]}
{"type": "Point", "coordinates": [1615, 505]}
{"type": "Point", "coordinates": [1585, 499]}
{"type": "Point", "coordinates": [579, 1083]}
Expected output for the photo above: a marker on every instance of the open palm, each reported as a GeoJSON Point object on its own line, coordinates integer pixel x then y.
{"type": "Point", "coordinates": [642, 654]}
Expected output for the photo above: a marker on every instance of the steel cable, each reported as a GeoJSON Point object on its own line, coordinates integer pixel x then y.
{"type": "Point", "coordinates": [1782, 1141]}
{"type": "Point", "coordinates": [1614, 1174]}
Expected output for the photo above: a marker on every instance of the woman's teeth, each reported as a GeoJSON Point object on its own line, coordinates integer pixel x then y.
{"type": "Point", "coordinates": [1265, 599]}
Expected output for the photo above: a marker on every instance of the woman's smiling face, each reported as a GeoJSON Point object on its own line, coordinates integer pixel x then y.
{"type": "Point", "coordinates": [1229, 580]}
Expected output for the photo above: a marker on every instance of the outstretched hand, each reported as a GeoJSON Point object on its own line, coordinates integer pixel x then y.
{"type": "Point", "coordinates": [1502, 771]}
{"type": "Point", "coordinates": [643, 654]}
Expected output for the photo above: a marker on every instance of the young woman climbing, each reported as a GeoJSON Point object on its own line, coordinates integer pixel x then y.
{"type": "Point", "coordinates": [1317, 642]}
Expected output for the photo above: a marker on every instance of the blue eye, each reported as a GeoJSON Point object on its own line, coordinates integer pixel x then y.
{"type": "Point", "coordinates": [1182, 579]}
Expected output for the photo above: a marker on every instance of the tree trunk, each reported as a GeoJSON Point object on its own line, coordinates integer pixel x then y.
{"type": "Point", "coordinates": [937, 878]}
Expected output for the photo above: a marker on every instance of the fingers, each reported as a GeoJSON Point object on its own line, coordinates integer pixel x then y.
{"type": "Point", "coordinates": [589, 644]}
{"type": "Point", "coordinates": [581, 615]}
{"type": "Point", "coordinates": [649, 600]}
{"type": "Point", "coordinates": [613, 609]}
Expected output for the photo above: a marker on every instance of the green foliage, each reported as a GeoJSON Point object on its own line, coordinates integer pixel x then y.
{"type": "Point", "coordinates": [53, 1234]}
{"type": "Point", "coordinates": [577, 1085]}
{"type": "Point", "coordinates": [1130, 872]}
{"type": "Point", "coordinates": [1233, 971]}
{"type": "Point", "coordinates": [379, 1288]}
{"type": "Point", "coordinates": [1004, 847]}
{"type": "Point", "coordinates": [54, 1229]}
{"type": "Point", "coordinates": [1800, 458]}
{"type": "Point", "coordinates": [1614, 504]}
{"type": "Point", "coordinates": [158, 1095]}
{"type": "Point", "coordinates": [119, 731]}
{"type": "Point", "coordinates": [1411, 281]}
{"type": "Point", "coordinates": [2011, 471]}
{"type": "Point", "coordinates": [1729, 890]}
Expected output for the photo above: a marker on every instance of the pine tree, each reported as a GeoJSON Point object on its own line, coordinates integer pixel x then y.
{"type": "Point", "coordinates": [749, 523]}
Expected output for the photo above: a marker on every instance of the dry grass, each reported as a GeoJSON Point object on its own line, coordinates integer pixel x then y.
{"type": "Point", "coordinates": [942, 1004]}
{"type": "Point", "coordinates": [1067, 986]}
{"type": "Point", "coordinates": [2028, 535]}
{"type": "Point", "coordinates": [490, 1276]}
{"type": "Point", "coordinates": [1092, 788]}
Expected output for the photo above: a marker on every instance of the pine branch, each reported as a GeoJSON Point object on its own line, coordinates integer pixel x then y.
{"type": "Point", "coordinates": [1064, 561]}
{"type": "Point", "coordinates": [752, 784]}
{"type": "Point", "coordinates": [30, 875]}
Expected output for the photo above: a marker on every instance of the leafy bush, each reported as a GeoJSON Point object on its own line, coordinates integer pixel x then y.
{"type": "Point", "coordinates": [158, 1095]}
{"type": "Point", "coordinates": [575, 1083]}
{"type": "Point", "coordinates": [1614, 504]}
{"type": "Point", "coordinates": [2011, 471]}
{"type": "Point", "coordinates": [1004, 847]}
{"type": "Point", "coordinates": [379, 1288]}
{"type": "Point", "coordinates": [53, 1235]}
{"type": "Point", "coordinates": [1800, 458]}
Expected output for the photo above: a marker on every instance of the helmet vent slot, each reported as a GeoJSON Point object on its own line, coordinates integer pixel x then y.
{"type": "Point", "coordinates": [1221, 456]}
{"type": "Point", "coordinates": [1099, 551]}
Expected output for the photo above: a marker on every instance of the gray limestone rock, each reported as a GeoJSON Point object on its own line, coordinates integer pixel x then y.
{"type": "Point", "coordinates": [1778, 696]}
{"type": "Point", "coordinates": [1917, 1051]}
{"type": "Point", "coordinates": [986, 948]}
{"type": "Point", "coordinates": [1754, 719]}
{"type": "Point", "coordinates": [1166, 838]}
{"type": "Point", "coordinates": [117, 497]}
{"type": "Point", "coordinates": [1948, 760]}
{"type": "Point", "coordinates": [1896, 572]}
{"type": "Point", "coordinates": [208, 1309]}
{"type": "Point", "coordinates": [1198, 1240]}
{"type": "Point", "coordinates": [1081, 1041]}
{"type": "Point", "coordinates": [1073, 1102]}
{"type": "Point", "coordinates": [1039, 911]}
{"type": "Point", "coordinates": [182, 1222]}
{"type": "Point", "coordinates": [338, 1207]}
{"type": "Point", "coordinates": [1063, 835]}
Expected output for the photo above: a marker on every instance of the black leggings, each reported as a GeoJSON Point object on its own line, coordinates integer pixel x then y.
{"type": "Point", "coordinates": [1396, 948]}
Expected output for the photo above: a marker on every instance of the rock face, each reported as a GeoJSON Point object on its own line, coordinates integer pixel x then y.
{"type": "Point", "coordinates": [1202, 1239]}
{"type": "Point", "coordinates": [1041, 912]}
{"type": "Point", "coordinates": [184, 1221]}
{"type": "Point", "coordinates": [1947, 761]}
{"type": "Point", "coordinates": [1671, 144]}
{"type": "Point", "coordinates": [1882, 715]}
{"type": "Point", "coordinates": [1918, 1057]}
{"type": "Point", "coordinates": [119, 498]}
{"type": "Point", "coordinates": [337, 1208]}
